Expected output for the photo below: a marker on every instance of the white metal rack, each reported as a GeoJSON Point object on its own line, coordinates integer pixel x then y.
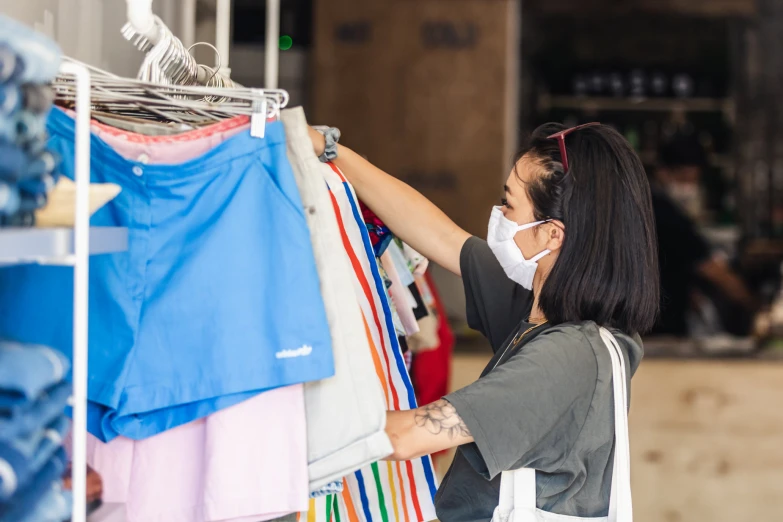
{"type": "Point", "coordinates": [72, 247]}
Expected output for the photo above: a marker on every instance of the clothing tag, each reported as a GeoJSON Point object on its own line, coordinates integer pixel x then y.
{"type": "Point", "coordinates": [258, 118]}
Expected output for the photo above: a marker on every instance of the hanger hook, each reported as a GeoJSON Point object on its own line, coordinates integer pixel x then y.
{"type": "Point", "coordinates": [219, 63]}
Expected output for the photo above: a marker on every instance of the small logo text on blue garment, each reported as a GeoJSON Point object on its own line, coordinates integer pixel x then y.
{"type": "Point", "coordinates": [303, 351]}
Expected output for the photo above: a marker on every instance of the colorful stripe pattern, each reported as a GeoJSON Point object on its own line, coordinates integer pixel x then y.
{"type": "Point", "coordinates": [383, 491]}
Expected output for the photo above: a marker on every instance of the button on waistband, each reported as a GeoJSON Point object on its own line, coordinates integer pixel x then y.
{"type": "Point", "coordinates": [138, 170]}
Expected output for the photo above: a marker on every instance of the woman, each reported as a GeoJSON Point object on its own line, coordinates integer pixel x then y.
{"type": "Point", "coordinates": [572, 247]}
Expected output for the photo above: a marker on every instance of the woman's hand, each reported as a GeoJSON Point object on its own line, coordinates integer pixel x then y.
{"type": "Point", "coordinates": [319, 142]}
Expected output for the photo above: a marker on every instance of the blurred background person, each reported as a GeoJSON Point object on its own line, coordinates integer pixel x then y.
{"type": "Point", "coordinates": [695, 281]}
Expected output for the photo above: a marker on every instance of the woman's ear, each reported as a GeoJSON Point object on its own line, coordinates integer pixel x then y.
{"type": "Point", "coordinates": [555, 235]}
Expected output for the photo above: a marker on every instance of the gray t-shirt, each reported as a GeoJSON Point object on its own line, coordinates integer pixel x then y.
{"type": "Point", "coordinates": [548, 404]}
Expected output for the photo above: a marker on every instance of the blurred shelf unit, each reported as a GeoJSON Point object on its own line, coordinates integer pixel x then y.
{"type": "Point", "coordinates": [606, 104]}
{"type": "Point", "coordinates": [721, 161]}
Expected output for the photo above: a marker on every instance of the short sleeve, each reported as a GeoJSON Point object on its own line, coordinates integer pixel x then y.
{"type": "Point", "coordinates": [529, 411]}
{"type": "Point", "coordinates": [495, 303]}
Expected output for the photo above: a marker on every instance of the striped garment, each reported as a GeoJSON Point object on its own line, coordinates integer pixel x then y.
{"type": "Point", "coordinates": [383, 491]}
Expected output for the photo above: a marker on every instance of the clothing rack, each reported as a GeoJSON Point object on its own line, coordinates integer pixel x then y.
{"type": "Point", "coordinates": [141, 18]}
{"type": "Point", "coordinates": [73, 247]}
{"type": "Point", "coordinates": [142, 21]}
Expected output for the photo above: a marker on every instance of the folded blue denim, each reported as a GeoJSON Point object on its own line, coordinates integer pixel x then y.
{"type": "Point", "coordinates": [20, 219]}
{"type": "Point", "coordinates": [26, 499]}
{"type": "Point", "coordinates": [11, 101]}
{"type": "Point", "coordinates": [54, 506]}
{"type": "Point", "coordinates": [17, 124]}
{"type": "Point", "coordinates": [30, 128]}
{"type": "Point", "coordinates": [23, 420]}
{"type": "Point", "coordinates": [35, 447]}
{"type": "Point", "coordinates": [15, 161]}
{"type": "Point", "coordinates": [19, 164]}
{"type": "Point", "coordinates": [22, 458]}
{"type": "Point", "coordinates": [10, 66]}
{"type": "Point", "coordinates": [10, 199]}
{"type": "Point", "coordinates": [37, 99]}
{"type": "Point", "coordinates": [27, 370]}
{"type": "Point", "coordinates": [30, 202]}
{"type": "Point", "coordinates": [35, 186]}
{"type": "Point", "coordinates": [39, 56]}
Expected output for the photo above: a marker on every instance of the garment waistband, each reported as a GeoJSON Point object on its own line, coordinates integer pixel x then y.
{"type": "Point", "coordinates": [62, 125]}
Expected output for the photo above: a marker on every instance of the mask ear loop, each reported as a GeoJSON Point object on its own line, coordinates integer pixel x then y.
{"type": "Point", "coordinates": [538, 256]}
{"type": "Point", "coordinates": [543, 253]}
{"type": "Point", "coordinates": [526, 226]}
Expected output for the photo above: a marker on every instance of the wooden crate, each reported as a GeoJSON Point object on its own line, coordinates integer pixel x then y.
{"type": "Point", "coordinates": [426, 90]}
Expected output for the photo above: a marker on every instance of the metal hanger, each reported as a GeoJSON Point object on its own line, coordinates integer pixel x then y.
{"type": "Point", "coordinates": [189, 104]}
{"type": "Point", "coordinates": [169, 61]}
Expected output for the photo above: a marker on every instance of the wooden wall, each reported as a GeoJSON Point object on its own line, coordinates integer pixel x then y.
{"type": "Point", "coordinates": [426, 90]}
{"type": "Point", "coordinates": [707, 441]}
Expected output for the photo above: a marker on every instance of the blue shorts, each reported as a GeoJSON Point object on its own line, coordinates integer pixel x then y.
{"type": "Point", "coordinates": [216, 300]}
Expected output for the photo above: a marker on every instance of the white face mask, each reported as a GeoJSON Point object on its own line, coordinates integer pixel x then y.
{"type": "Point", "coordinates": [500, 239]}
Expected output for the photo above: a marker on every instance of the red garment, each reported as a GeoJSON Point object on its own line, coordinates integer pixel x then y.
{"type": "Point", "coordinates": [380, 235]}
{"type": "Point", "coordinates": [432, 369]}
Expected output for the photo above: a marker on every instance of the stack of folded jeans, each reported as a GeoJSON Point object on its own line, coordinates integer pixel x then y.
{"type": "Point", "coordinates": [33, 398]}
{"type": "Point", "coordinates": [28, 63]}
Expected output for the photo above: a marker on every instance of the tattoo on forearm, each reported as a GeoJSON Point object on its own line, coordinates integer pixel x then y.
{"type": "Point", "coordinates": [441, 417]}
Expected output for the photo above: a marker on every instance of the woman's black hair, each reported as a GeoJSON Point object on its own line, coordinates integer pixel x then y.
{"type": "Point", "coordinates": [607, 268]}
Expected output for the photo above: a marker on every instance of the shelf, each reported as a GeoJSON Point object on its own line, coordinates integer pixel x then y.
{"type": "Point", "coordinates": [55, 245]}
{"type": "Point", "coordinates": [584, 103]}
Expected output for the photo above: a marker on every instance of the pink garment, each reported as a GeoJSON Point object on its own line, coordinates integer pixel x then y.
{"type": "Point", "coordinates": [401, 296]}
{"type": "Point", "coordinates": [169, 150]}
{"type": "Point", "coordinates": [247, 463]}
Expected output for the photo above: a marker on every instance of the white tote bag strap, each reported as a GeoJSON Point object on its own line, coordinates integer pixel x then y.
{"type": "Point", "coordinates": [517, 502]}
{"type": "Point", "coordinates": [525, 488]}
{"type": "Point", "coordinates": [620, 504]}
{"type": "Point", "coordinates": [506, 499]}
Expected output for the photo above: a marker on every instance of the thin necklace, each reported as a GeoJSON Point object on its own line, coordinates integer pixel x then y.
{"type": "Point", "coordinates": [517, 338]}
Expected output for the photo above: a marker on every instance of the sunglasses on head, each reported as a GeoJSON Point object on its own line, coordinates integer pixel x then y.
{"type": "Point", "coordinates": [561, 136]}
